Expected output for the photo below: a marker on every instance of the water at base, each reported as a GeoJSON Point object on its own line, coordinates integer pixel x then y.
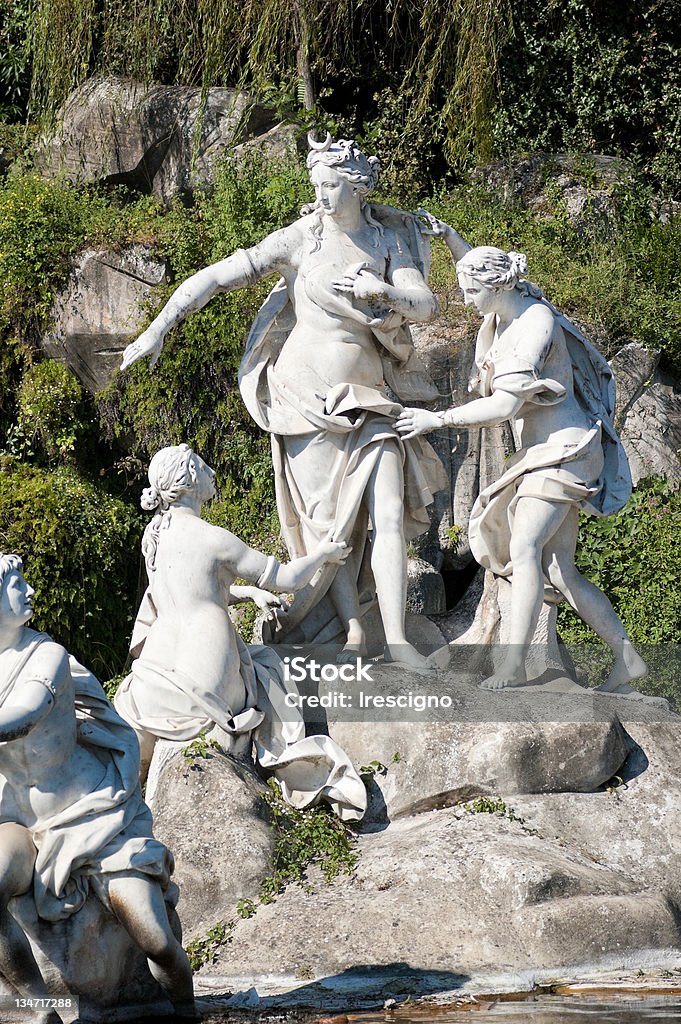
{"type": "Point", "coordinates": [539, 1010]}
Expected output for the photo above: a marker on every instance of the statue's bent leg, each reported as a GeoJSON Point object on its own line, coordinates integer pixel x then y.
{"type": "Point", "coordinates": [385, 502]}
{"type": "Point", "coordinates": [138, 904]}
{"type": "Point", "coordinates": [17, 963]}
{"type": "Point", "coordinates": [591, 604]}
{"type": "Point", "coordinates": [535, 522]}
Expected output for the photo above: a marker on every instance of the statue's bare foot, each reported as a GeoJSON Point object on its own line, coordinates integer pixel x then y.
{"type": "Point", "coordinates": [353, 649]}
{"type": "Point", "coordinates": [505, 679]}
{"type": "Point", "coordinates": [629, 665]}
{"type": "Point", "coordinates": [406, 656]}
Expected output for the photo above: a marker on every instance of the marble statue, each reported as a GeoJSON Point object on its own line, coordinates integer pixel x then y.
{"type": "Point", "coordinates": [535, 368]}
{"type": "Point", "coordinates": [193, 672]}
{"type": "Point", "coordinates": [72, 818]}
{"type": "Point", "coordinates": [331, 334]}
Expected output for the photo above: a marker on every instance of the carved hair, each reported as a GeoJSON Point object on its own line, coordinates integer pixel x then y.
{"type": "Point", "coordinates": [497, 270]}
{"type": "Point", "coordinates": [345, 157]}
{"type": "Point", "coordinates": [170, 476]}
{"type": "Point", "coordinates": [8, 564]}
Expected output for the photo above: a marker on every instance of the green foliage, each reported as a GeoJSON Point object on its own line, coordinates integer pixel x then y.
{"type": "Point", "coordinates": [620, 277]}
{"type": "Point", "coordinates": [198, 750]}
{"type": "Point", "coordinates": [79, 547]}
{"type": "Point", "coordinates": [491, 805]}
{"type": "Point", "coordinates": [314, 836]}
{"type": "Point", "coordinates": [600, 77]}
{"type": "Point", "coordinates": [51, 413]}
{"type": "Point", "coordinates": [42, 224]}
{"type": "Point", "coordinates": [15, 63]}
{"type": "Point", "coordinates": [204, 950]}
{"type": "Point", "coordinates": [634, 557]}
{"type": "Point", "coordinates": [369, 771]}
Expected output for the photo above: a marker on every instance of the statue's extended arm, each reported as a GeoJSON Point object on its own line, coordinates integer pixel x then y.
{"type": "Point", "coordinates": [482, 412]}
{"type": "Point", "coordinates": [269, 574]}
{"type": "Point", "coordinates": [242, 268]}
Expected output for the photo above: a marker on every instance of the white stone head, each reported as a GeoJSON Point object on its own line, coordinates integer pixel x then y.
{"type": "Point", "coordinates": [16, 595]}
{"type": "Point", "coordinates": [493, 268]}
{"type": "Point", "coordinates": [348, 160]}
{"type": "Point", "coordinates": [341, 173]}
{"type": "Point", "coordinates": [175, 472]}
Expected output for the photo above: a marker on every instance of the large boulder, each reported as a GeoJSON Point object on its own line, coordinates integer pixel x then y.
{"type": "Point", "coordinates": [157, 139]}
{"type": "Point", "coordinates": [208, 808]}
{"type": "Point", "coordinates": [99, 309]}
{"type": "Point", "coordinates": [498, 893]}
{"type": "Point", "coordinates": [483, 892]}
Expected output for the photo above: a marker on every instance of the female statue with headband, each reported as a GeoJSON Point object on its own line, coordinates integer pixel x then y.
{"type": "Point", "coordinates": [329, 337]}
{"type": "Point", "coordinates": [534, 368]}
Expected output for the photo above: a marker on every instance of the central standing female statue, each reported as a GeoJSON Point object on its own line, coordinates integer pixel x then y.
{"type": "Point", "coordinates": [329, 337]}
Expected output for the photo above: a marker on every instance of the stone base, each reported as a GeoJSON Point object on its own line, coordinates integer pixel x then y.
{"type": "Point", "coordinates": [90, 956]}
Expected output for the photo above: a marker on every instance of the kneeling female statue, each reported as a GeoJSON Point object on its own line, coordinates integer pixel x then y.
{"type": "Point", "coordinates": [535, 368]}
{"type": "Point", "coordinates": [193, 671]}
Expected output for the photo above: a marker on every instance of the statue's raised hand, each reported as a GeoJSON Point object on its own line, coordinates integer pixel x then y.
{"type": "Point", "coordinates": [432, 225]}
{"type": "Point", "coordinates": [412, 422]}
{"type": "Point", "coordinates": [149, 343]}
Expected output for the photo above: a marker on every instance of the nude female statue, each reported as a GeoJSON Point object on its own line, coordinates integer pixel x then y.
{"type": "Point", "coordinates": [71, 813]}
{"type": "Point", "coordinates": [193, 672]}
{"type": "Point", "coordinates": [328, 337]}
{"type": "Point", "coordinates": [534, 368]}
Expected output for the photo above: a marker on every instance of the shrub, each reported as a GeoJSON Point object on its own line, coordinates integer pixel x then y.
{"type": "Point", "coordinates": [81, 554]}
{"type": "Point", "coordinates": [50, 413]}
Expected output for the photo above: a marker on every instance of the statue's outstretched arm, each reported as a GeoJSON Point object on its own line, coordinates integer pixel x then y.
{"type": "Point", "coordinates": [269, 574]}
{"type": "Point", "coordinates": [482, 412]}
{"type": "Point", "coordinates": [242, 268]}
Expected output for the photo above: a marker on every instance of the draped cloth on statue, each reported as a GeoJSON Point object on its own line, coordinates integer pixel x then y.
{"type": "Point", "coordinates": [327, 443]}
{"type": "Point", "coordinates": [592, 474]}
{"type": "Point", "coordinates": [102, 833]}
{"type": "Point", "coordinates": [173, 706]}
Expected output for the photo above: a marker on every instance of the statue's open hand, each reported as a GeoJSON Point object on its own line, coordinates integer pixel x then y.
{"type": "Point", "coordinates": [334, 551]}
{"type": "Point", "coordinates": [269, 603]}
{"type": "Point", "coordinates": [360, 285]}
{"type": "Point", "coordinates": [149, 343]}
{"type": "Point", "coordinates": [412, 422]}
{"type": "Point", "coordinates": [432, 225]}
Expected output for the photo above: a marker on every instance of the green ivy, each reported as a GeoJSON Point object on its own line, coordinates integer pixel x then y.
{"type": "Point", "coordinates": [80, 549]}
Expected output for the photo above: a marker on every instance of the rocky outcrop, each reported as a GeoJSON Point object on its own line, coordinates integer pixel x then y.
{"type": "Point", "coordinates": [582, 185]}
{"type": "Point", "coordinates": [100, 308]}
{"type": "Point", "coordinates": [158, 139]}
{"type": "Point", "coordinates": [648, 413]}
{"type": "Point", "coordinates": [516, 876]}
{"type": "Point", "coordinates": [425, 589]}
{"type": "Point", "coordinates": [209, 811]}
